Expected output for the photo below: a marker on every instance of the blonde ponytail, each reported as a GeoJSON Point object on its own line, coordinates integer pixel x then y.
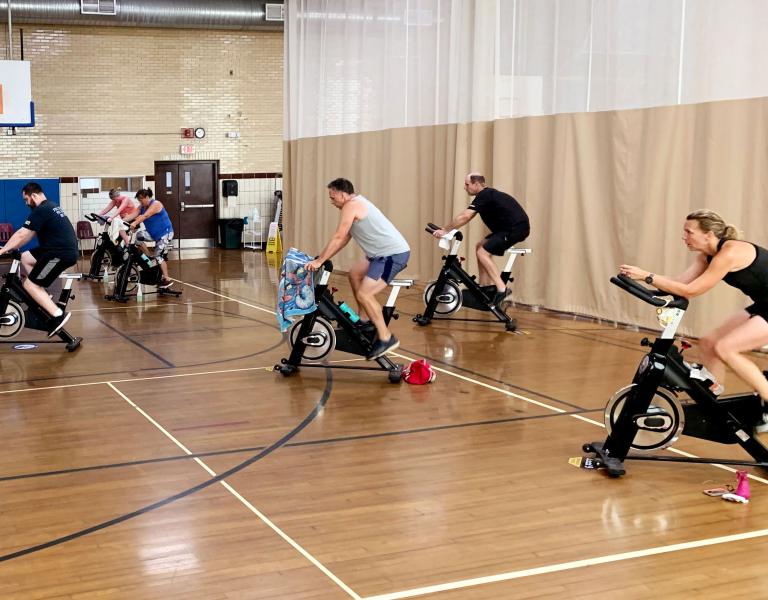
{"type": "Point", "coordinates": [709, 220]}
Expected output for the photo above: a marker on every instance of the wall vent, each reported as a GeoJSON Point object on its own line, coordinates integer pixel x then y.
{"type": "Point", "coordinates": [274, 12]}
{"type": "Point", "coordinates": [98, 7]}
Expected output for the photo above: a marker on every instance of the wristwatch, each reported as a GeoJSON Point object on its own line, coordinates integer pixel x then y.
{"type": "Point", "coordinates": [649, 279]}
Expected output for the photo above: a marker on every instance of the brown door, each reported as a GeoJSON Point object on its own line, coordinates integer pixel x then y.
{"type": "Point", "coordinates": [189, 191]}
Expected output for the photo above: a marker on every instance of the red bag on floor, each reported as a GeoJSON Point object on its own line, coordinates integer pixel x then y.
{"type": "Point", "coordinates": [419, 372]}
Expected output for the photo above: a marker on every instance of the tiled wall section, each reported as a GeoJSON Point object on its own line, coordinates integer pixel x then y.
{"type": "Point", "coordinates": [110, 101]}
{"type": "Point", "coordinates": [255, 200]}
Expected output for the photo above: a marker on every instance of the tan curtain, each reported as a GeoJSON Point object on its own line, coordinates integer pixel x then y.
{"type": "Point", "coordinates": [600, 189]}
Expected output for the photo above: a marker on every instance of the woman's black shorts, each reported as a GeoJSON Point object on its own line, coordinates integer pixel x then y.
{"type": "Point", "coordinates": [758, 309]}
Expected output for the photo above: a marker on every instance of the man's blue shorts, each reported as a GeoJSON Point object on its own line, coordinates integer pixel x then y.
{"type": "Point", "coordinates": [387, 267]}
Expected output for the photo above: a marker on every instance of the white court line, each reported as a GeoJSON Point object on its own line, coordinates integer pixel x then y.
{"type": "Point", "coordinates": [72, 385]}
{"type": "Point", "coordinates": [560, 410]}
{"type": "Point", "coordinates": [486, 385]}
{"type": "Point", "coordinates": [512, 574]}
{"type": "Point", "coordinates": [502, 391]}
{"type": "Point", "coordinates": [295, 545]}
{"type": "Point", "coordinates": [576, 564]}
{"type": "Point", "coordinates": [135, 306]}
{"type": "Point", "coordinates": [271, 312]}
{"type": "Point", "coordinates": [154, 377]}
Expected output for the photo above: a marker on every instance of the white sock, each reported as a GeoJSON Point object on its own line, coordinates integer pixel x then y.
{"type": "Point", "coordinates": [58, 312]}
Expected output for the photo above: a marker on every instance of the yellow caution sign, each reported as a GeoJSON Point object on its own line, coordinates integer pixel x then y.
{"type": "Point", "coordinates": [274, 244]}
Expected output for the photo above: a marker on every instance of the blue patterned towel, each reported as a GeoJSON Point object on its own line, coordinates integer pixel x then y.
{"type": "Point", "coordinates": [296, 290]}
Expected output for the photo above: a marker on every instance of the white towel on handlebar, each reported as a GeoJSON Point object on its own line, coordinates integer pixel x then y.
{"type": "Point", "coordinates": [445, 241]}
{"type": "Point", "coordinates": [115, 227]}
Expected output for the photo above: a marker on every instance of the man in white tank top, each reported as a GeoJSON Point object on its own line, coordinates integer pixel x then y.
{"type": "Point", "coordinates": [386, 254]}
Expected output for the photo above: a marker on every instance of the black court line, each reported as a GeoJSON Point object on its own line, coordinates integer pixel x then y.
{"type": "Point", "coordinates": [189, 491]}
{"type": "Point", "coordinates": [625, 346]}
{"type": "Point", "coordinates": [637, 348]}
{"type": "Point", "coordinates": [502, 382]}
{"type": "Point", "coordinates": [133, 371]}
{"type": "Point", "coordinates": [198, 309]}
{"type": "Point", "coordinates": [144, 369]}
{"type": "Point", "coordinates": [125, 336]}
{"type": "Point", "coordinates": [347, 438]}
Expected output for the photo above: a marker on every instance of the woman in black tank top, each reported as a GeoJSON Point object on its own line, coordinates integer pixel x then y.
{"type": "Point", "coordinates": [743, 265]}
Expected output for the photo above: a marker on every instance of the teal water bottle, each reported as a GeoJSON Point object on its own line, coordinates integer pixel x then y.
{"type": "Point", "coordinates": [347, 310]}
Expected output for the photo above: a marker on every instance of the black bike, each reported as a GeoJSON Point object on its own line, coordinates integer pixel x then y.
{"type": "Point", "coordinates": [331, 326]}
{"type": "Point", "coordinates": [19, 310]}
{"type": "Point", "coordinates": [138, 269]}
{"type": "Point", "coordinates": [445, 296]}
{"type": "Point", "coordinates": [648, 414]}
{"type": "Point", "coordinates": [108, 253]}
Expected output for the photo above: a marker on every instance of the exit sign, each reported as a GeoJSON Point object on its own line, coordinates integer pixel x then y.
{"type": "Point", "coordinates": [186, 149]}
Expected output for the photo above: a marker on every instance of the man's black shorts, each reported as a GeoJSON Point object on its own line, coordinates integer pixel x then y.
{"type": "Point", "coordinates": [497, 243]}
{"type": "Point", "coordinates": [49, 266]}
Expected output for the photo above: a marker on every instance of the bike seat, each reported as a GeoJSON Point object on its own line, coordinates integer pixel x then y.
{"type": "Point", "coordinates": [406, 283]}
{"type": "Point", "coordinates": [71, 276]}
{"type": "Point", "coordinates": [514, 250]}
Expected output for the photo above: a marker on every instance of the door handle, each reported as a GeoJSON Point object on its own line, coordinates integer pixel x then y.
{"type": "Point", "coordinates": [183, 206]}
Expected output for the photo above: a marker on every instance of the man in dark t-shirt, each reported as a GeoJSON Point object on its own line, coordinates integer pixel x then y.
{"type": "Point", "coordinates": [506, 219]}
{"type": "Point", "coordinates": [57, 250]}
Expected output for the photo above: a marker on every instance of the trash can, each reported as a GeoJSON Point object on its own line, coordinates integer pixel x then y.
{"type": "Point", "coordinates": [230, 233]}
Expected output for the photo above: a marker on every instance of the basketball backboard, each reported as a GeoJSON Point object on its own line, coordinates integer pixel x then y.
{"type": "Point", "coordinates": [16, 106]}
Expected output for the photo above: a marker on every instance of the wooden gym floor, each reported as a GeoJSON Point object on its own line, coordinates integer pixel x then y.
{"type": "Point", "coordinates": [165, 459]}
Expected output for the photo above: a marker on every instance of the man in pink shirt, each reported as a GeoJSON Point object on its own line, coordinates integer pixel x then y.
{"type": "Point", "coordinates": [123, 204]}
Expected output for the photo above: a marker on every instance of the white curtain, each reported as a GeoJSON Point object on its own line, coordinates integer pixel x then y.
{"type": "Point", "coordinates": [366, 65]}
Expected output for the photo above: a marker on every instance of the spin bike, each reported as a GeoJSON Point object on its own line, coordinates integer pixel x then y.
{"type": "Point", "coordinates": [19, 309]}
{"type": "Point", "coordinates": [330, 327]}
{"type": "Point", "coordinates": [107, 253]}
{"type": "Point", "coordinates": [647, 415]}
{"type": "Point", "coordinates": [138, 269]}
{"type": "Point", "coordinates": [445, 296]}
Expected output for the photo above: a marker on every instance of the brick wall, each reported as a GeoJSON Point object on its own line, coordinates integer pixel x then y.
{"type": "Point", "coordinates": [110, 101]}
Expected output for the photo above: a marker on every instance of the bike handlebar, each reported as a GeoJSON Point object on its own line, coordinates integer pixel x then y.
{"type": "Point", "coordinates": [431, 228]}
{"type": "Point", "coordinates": [93, 217]}
{"type": "Point", "coordinates": [13, 254]}
{"type": "Point", "coordinates": [648, 295]}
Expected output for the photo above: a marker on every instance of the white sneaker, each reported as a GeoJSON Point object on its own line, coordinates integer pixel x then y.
{"type": "Point", "coordinates": [762, 424]}
{"type": "Point", "coordinates": [56, 323]}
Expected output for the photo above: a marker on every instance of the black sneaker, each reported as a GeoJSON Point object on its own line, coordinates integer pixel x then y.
{"type": "Point", "coordinates": [380, 347]}
{"type": "Point", "coordinates": [165, 284]}
{"type": "Point", "coordinates": [488, 290]}
{"type": "Point", "coordinates": [500, 297]}
{"type": "Point", "coordinates": [367, 328]}
{"type": "Point", "coordinates": [56, 323]}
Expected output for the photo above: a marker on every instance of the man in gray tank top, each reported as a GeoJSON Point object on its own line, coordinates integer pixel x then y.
{"type": "Point", "coordinates": [386, 254]}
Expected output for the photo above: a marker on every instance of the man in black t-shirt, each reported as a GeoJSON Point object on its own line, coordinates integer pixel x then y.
{"type": "Point", "coordinates": [506, 219]}
{"type": "Point", "coordinates": [57, 250]}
